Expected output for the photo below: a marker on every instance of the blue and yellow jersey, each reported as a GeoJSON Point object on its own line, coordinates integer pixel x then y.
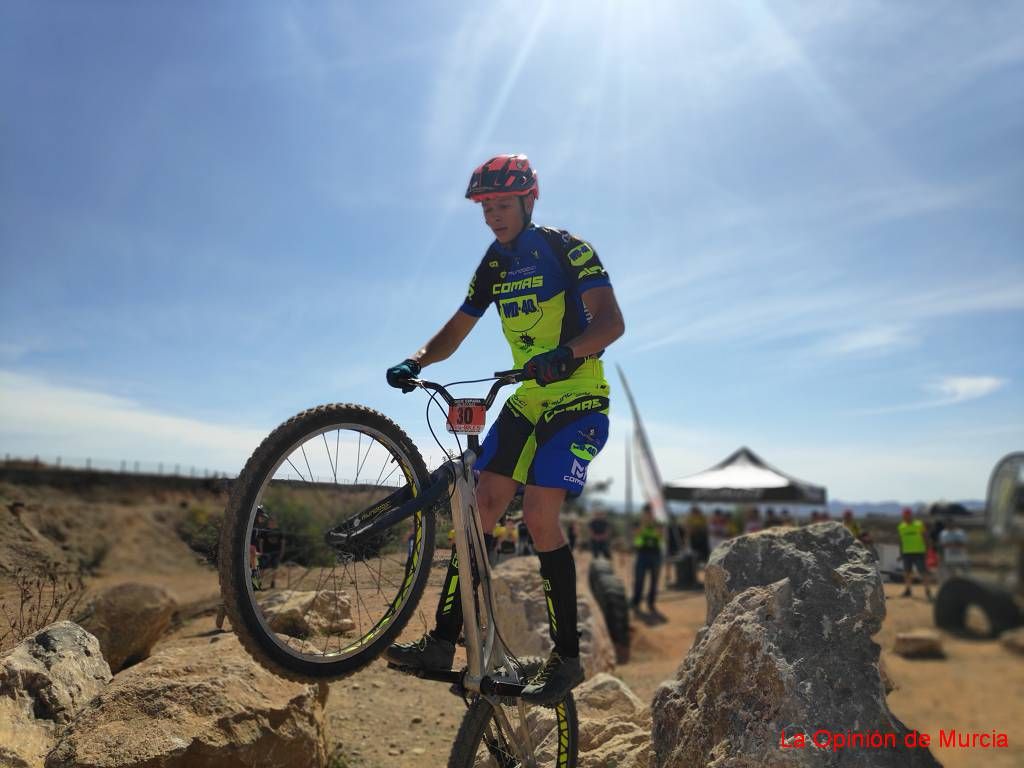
{"type": "Point", "coordinates": [537, 284]}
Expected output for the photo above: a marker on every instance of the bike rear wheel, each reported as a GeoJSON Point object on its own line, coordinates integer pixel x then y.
{"type": "Point", "coordinates": [487, 739]}
{"type": "Point", "coordinates": [303, 606]}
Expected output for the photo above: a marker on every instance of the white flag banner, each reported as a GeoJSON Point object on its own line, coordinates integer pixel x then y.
{"type": "Point", "coordinates": [647, 469]}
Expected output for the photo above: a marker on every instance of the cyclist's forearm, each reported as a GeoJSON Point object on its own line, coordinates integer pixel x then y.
{"type": "Point", "coordinates": [434, 351]}
{"type": "Point", "coordinates": [446, 341]}
{"type": "Point", "coordinates": [602, 331]}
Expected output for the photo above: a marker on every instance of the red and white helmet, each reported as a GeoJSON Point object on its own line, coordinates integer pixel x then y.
{"type": "Point", "coordinates": [503, 176]}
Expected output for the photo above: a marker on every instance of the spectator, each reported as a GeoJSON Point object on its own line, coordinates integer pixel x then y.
{"type": "Point", "coordinates": [697, 533]}
{"type": "Point", "coordinates": [523, 538]}
{"type": "Point", "coordinates": [570, 533]}
{"type": "Point", "coordinates": [753, 524]}
{"type": "Point", "coordinates": [647, 540]}
{"type": "Point", "coordinates": [770, 520]}
{"type": "Point", "coordinates": [913, 548]}
{"type": "Point", "coordinates": [953, 551]}
{"type": "Point", "coordinates": [600, 535]}
{"type": "Point", "coordinates": [718, 529]}
{"type": "Point", "coordinates": [850, 523]}
{"type": "Point", "coordinates": [786, 519]}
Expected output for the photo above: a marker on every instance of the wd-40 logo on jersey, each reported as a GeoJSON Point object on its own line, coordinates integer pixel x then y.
{"type": "Point", "coordinates": [521, 305]}
{"type": "Point", "coordinates": [581, 254]}
{"type": "Point", "coordinates": [518, 285]}
{"type": "Point", "coordinates": [579, 473]}
{"type": "Point", "coordinates": [585, 451]}
{"type": "Point", "coordinates": [590, 404]}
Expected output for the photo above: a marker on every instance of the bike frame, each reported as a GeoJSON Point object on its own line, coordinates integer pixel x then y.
{"type": "Point", "coordinates": [489, 671]}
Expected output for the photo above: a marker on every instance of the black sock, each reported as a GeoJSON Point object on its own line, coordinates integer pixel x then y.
{"type": "Point", "coordinates": [448, 618]}
{"type": "Point", "coordinates": [558, 570]}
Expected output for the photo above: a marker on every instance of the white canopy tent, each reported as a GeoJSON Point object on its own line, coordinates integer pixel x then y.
{"type": "Point", "coordinates": [744, 477]}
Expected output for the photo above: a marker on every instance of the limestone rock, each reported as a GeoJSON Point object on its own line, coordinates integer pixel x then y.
{"type": "Point", "coordinates": [186, 709]}
{"type": "Point", "coordinates": [128, 619]}
{"type": "Point", "coordinates": [44, 681]}
{"type": "Point", "coordinates": [919, 644]}
{"type": "Point", "coordinates": [522, 615]}
{"type": "Point", "coordinates": [615, 726]}
{"type": "Point", "coordinates": [304, 614]}
{"type": "Point", "coordinates": [787, 652]}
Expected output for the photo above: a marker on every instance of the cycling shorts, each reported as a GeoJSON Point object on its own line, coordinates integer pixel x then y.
{"type": "Point", "coordinates": [547, 436]}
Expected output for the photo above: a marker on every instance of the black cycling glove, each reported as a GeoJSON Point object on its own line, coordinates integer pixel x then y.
{"type": "Point", "coordinates": [549, 367]}
{"type": "Point", "coordinates": [399, 375]}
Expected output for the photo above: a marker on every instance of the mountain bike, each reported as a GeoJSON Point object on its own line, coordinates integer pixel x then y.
{"type": "Point", "coordinates": [355, 508]}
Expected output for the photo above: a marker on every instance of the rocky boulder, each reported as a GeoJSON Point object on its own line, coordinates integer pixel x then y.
{"type": "Point", "coordinates": [44, 681]}
{"type": "Point", "coordinates": [128, 619]}
{"type": "Point", "coordinates": [522, 615]}
{"type": "Point", "coordinates": [615, 726]}
{"type": "Point", "coordinates": [197, 707]}
{"type": "Point", "coordinates": [304, 614]}
{"type": "Point", "coordinates": [785, 659]}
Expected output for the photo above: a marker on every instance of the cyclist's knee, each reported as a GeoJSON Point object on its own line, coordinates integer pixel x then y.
{"type": "Point", "coordinates": [493, 494]}
{"type": "Point", "coordinates": [545, 529]}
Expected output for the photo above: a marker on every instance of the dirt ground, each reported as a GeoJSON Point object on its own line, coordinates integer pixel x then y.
{"type": "Point", "coordinates": [378, 717]}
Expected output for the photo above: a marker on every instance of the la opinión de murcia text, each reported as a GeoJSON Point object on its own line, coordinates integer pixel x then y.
{"type": "Point", "coordinates": [833, 741]}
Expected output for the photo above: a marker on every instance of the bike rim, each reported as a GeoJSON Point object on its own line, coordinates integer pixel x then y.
{"type": "Point", "coordinates": [548, 737]}
{"type": "Point", "coordinates": [370, 592]}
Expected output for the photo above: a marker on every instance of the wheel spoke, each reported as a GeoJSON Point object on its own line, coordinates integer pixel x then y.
{"type": "Point", "coordinates": [321, 601]}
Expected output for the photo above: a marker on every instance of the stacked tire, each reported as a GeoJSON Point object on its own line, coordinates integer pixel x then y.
{"type": "Point", "coordinates": [958, 594]}
{"type": "Point", "coordinates": [610, 593]}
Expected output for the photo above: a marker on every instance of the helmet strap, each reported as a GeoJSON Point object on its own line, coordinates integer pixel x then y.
{"type": "Point", "coordinates": [522, 207]}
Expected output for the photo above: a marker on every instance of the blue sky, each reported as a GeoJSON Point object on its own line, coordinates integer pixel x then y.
{"type": "Point", "coordinates": [215, 215]}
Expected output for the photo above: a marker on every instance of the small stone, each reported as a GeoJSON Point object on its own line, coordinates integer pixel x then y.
{"type": "Point", "coordinates": [1013, 640]}
{"type": "Point", "coordinates": [417, 720]}
{"type": "Point", "coordinates": [919, 644]}
{"type": "Point", "coordinates": [418, 750]}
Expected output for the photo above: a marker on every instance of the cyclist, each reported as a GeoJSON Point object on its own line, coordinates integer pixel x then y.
{"type": "Point", "coordinates": [558, 312]}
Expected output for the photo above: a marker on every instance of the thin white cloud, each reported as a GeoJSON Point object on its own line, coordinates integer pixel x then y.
{"type": "Point", "coordinates": [797, 304]}
{"type": "Point", "coordinates": [40, 418]}
{"type": "Point", "coordinates": [873, 340]}
{"type": "Point", "coordinates": [950, 390]}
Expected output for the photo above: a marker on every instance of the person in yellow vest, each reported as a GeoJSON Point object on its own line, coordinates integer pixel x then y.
{"type": "Point", "coordinates": [851, 524]}
{"type": "Point", "coordinates": [913, 547]}
{"type": "Point", "coordinates": [647, 540]}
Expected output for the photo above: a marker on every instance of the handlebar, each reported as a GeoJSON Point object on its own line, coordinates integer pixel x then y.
{"type": "Point", "coordinates": [504, 378]}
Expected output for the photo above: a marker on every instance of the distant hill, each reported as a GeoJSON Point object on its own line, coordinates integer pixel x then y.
{"type": "Point", "coordinates": [835, 507]}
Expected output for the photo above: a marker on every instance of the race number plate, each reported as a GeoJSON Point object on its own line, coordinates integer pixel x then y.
{"type": "Point", "coordinates": [467, 416]}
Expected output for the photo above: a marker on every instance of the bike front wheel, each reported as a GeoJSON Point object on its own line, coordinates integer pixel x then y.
{"type": "Point", "coordinates": [504, 733]}
{"type": "Point", "coordinates": [304, 606]}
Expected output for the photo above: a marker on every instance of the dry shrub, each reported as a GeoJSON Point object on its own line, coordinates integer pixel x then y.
{"type": "Point", "coordinates": [32, 599]}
